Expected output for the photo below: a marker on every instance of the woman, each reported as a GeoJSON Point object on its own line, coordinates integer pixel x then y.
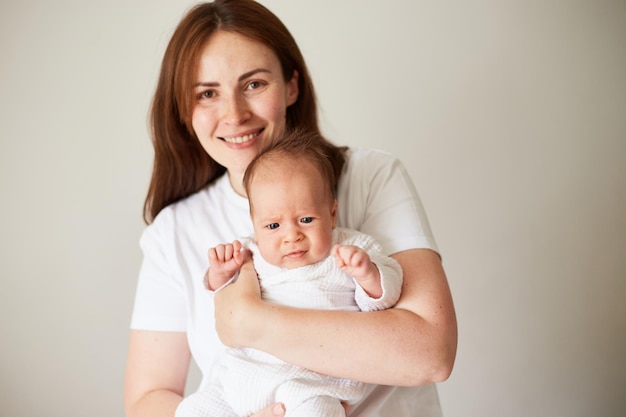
{"type": "Point", "coordinates": [232, 80]}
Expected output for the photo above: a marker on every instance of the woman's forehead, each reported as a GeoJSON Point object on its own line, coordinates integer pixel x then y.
{"type": "Point", "coordinates": [236, 53]}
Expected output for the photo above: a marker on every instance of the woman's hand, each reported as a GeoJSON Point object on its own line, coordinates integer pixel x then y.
{"type": "Point", "coordinates": [278, 409]}
{"type": "Point", "coordinates": [274, 410]}
{"type": "Point", "coordinates": [236, 306]}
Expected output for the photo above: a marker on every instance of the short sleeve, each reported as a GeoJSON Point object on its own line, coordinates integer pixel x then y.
{"type": "Point", "coordinates": [160, 302]}
{"type": "Point", "coordinates": [377, 197]}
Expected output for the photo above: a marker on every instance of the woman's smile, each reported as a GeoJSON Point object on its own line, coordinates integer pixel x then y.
{"type": "Point", "coordinates": [241, 100]}
{"type": "Point", "coordinates": [245, 138]}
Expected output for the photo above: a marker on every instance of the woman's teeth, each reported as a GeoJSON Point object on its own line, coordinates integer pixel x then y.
{"type": "Point", "coordinates": [241, 139]}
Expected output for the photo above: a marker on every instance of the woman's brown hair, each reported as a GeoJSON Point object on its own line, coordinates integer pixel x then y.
{"type": "Point", "coordinates": [181, 166]}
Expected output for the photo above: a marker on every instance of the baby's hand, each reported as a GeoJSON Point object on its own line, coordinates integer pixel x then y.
{"type": "Point", "coordinates": [224, 261]}
{"type": "Point", "coordinates": [355, 262]}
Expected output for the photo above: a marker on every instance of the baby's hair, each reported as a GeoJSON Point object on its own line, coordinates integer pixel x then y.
{"type": "Point", "coordinates": [298, 144]}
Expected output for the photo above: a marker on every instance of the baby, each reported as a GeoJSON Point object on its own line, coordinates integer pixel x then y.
{"type": "Point", "coordinates": [302, 260]}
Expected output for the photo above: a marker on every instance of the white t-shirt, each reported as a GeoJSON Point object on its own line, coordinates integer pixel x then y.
{"type": "Point", "coordinates": [375, 196]}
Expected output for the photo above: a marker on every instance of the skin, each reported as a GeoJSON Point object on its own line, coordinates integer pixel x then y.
{"type": "Point", "coordinates": [241, 101]}
{"type": "Point", "coordinates": [415, 341]}
{"type": "Point", "coordinates": [241, 96]}
{"type": "Point", "coordinates": [293, 218]}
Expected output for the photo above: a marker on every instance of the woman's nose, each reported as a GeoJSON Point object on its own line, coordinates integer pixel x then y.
{"type": "Point", "coordinates": [235, 110]}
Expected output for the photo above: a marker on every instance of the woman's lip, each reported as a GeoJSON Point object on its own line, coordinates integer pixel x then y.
{"type": "Point", "coordinates": [242, 138]}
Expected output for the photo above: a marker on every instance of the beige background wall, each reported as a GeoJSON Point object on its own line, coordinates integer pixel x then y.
{"type": "Point", "coordinates": [511, 117]}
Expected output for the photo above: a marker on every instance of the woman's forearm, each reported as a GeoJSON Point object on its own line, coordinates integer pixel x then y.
{"type": "Point", "coordinates": [411, 344]}
{"type": "Point", "coordinates": [407, 352]}
{"type": "Point", "coordinates": [156, 372]}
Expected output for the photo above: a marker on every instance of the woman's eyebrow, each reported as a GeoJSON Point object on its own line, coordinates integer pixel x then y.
{"type": "Point", "coordinates": [253, 72]}
{"type": "Point", "coordinates": [206, 84]}
{"type": "Point", "coordinates": [241, 78]}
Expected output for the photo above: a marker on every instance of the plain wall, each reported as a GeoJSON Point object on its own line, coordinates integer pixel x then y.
{"type": "Point", "coordinates": [510, 116]}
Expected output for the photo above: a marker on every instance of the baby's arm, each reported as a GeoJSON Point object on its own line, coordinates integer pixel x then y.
{"type": "Point", "coordinates": [355, 262]}
{"type": "Point", "coordinates": [224, 261]}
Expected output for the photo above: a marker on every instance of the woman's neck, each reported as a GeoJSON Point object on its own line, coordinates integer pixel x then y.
{"type": "Point", "coordinates": [236, 181]}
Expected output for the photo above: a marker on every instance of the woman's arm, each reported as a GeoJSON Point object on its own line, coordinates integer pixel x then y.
{"type": "Point", "coordinates": [156, 373]}
{"type": "Point", "coordinates": [413, 343]}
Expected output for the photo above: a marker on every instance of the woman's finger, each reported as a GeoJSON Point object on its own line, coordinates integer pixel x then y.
{"type": "Point", "coordinates": [274, 410]}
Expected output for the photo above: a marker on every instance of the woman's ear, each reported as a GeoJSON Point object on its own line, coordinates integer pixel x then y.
{"type": "Point", "coordinates": [292, 89]}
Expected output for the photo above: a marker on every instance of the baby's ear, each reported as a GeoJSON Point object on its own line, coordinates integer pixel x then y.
{"type": "Point", "coordinates": [333, 214]}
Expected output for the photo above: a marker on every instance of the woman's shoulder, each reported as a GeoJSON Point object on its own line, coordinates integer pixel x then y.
{"type": "Point", "coordinates": [366, 165]}
{"type": "Point", "coordinates": [213, 198]}
{"type": "Point", "coordinates": [360, 157]}
{"type": "Point", "coordinates": [181, 211]}
{"type": "Point", "coordinates": [213, 215]}
{"type": "Point", "coordinates": [193, 211]}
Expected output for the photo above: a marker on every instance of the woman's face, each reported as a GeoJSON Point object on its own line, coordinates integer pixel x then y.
{"type": "Point", "coordinates": [240, 102]}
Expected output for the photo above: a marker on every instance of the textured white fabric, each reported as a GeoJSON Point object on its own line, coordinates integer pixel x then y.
{"type": "Point", "coordinates": [266, 379]}
{"type": "Point", "coordinates": [375, 196]}
{"type": "Point", "coordinates": [323, 285]}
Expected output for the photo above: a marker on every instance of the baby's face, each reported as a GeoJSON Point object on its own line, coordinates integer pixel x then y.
{"type": "Point", "coordinates": [293, 218]}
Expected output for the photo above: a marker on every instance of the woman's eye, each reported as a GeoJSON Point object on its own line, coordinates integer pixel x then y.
{"type": "Point", "coordinates": [253, 85]}
{"type": "Point", "coordinates": [206, 94]}
{"type": "Point", "coordinates": [306, 220]}
{"type": "Point", "coordinates": [273, 226]}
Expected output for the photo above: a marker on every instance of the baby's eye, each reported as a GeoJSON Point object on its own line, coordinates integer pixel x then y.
{"type": "Point", "coordinates": [272, 226]}
{"type": "Point", "coordinates": [306, 220]}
